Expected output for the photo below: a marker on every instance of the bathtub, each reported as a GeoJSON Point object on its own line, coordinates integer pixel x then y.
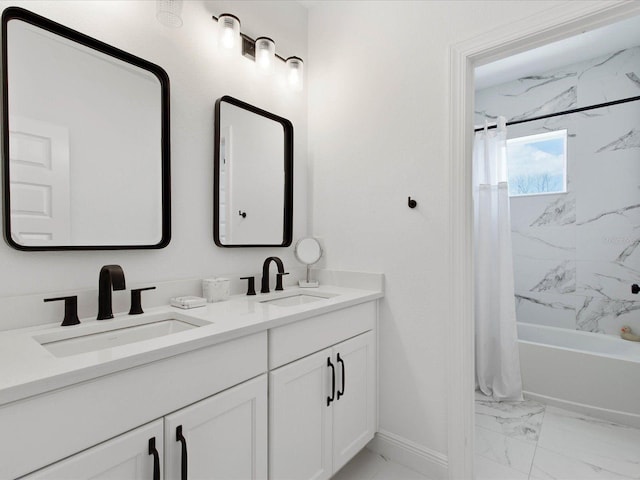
{"type": "Point", "coordinates": [591, 373]}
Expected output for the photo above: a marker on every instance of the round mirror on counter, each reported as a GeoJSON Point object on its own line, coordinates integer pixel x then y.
{"type": "Point", "coordinates": [308, 251]}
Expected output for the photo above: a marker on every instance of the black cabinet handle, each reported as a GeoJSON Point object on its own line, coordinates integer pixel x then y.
{"type": "Point", "coordinates": [333, 382]}
{"type": "Point", "coordinates": [341, 392]}
{"type": "Point", "coordinates": [183, 464]}
{"type": "Point", "coordinates": [156, 458]}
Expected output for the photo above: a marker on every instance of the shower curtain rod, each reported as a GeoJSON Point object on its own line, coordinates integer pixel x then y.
{"type": "Point", "coordinates": [566, 112]}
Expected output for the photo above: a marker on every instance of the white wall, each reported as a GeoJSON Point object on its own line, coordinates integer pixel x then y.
{"type": "Point", "coordinates": [199, 74]}
{"type": "Point", "coordinates": [378, 80]}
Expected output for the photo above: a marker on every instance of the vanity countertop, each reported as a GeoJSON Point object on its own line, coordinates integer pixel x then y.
{"type": "Point", "coordinates": [27, 368]}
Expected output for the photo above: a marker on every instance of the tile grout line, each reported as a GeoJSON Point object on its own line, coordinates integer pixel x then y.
{"type": "Point", "coordinates": [535, 451]}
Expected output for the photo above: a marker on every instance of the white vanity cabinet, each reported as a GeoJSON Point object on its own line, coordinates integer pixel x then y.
{"type": "Point", "coordinates": [223, 385]}
{"type": "Point", "coordinates": [322, 406]}
{"type": "Point", "coordinates": [133, 455]}
{"type": "Point", "coordinates": [221, 438]}
{"type": "Point", "coordinates": [291, 398]}
{"type": "Point", "coordinates": [354, 409]}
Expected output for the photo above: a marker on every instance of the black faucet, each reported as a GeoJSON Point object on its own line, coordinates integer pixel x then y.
{"type": "Point", "coordinates": [111, 276]}
{"type": "Point", "coordinates": [265, 274]}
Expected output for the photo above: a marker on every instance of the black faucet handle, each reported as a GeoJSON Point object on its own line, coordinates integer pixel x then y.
{"type": "Point", "coordinates": [251, 285]}
{"type": "Point", "coordinates": [136, 300]}
{"type": "Point", "coordinates": [279, 280]}
{"type": "Point", "coordinates": [70, 309]}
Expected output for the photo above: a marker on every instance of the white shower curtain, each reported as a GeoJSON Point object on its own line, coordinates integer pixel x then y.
{"type": "Point", "coordinates": [497, 359]}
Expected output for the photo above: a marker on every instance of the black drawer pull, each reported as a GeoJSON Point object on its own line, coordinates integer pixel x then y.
{"type": "Point", "coordinates": [341, 392]}
{"type": "Point", "coordinates": [183, 463]}
{"type": "Point", "coordinates": [333, 382]}
{"type": "Point", "coordinates": [156, 458]}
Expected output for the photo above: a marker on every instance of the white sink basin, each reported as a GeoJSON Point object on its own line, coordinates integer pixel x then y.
{"type": "Point", "coordinates": [77, 342]}
{"type": "Point", "coordinates": [296, 299]}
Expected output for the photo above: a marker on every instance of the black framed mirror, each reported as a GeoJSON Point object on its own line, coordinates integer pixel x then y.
{"type": "Point", "coordinates": [253, 176]}
{"type": "Point", "coordinates": [86, 153]}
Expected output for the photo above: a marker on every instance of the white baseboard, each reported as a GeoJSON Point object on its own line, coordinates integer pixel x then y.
{"type": "Point", "coordinates": [405, 452]}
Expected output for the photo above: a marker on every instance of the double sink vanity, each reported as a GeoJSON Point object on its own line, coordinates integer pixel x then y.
{"type": "Point", "coordinates": [279, 385]}
{"type": "Point", "coordinates": [276, 385]}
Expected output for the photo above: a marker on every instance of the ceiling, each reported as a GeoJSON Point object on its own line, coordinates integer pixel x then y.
{"type": "Point", "coordinates": [591, 44]}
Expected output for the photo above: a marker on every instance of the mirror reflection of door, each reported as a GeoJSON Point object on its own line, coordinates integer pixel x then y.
{"type": "Point", "coordinates": [253, 192]}
{"type": "Point", "coordinates": [226, 201]}
{"type": "Point", "coordinates": [87, 129]}
{"type": "Point", "coordinates": [39, 183]}
{"type": "Point", "coordinates": [253, 175]}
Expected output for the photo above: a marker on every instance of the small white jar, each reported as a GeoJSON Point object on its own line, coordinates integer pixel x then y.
{"type": "Point", "coordinates": [216, 289]}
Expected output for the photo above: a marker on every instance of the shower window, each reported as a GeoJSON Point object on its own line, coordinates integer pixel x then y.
{"type": "Point", "coordinates": [537, 164]}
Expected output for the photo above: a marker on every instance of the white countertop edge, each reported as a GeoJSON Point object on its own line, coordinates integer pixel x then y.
{"type": "Point", "coordinates": [89, 370]}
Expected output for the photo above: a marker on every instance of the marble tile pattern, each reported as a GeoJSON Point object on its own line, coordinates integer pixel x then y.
{"type": "Point", "coordinates": [577, 254]}
{"type": "Point", "coordinates": [529, 440]}
{"type": "Point", "coordinates": [368, 465]}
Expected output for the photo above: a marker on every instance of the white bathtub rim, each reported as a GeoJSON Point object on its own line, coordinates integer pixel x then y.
{"type": "Point", "coordinates": [590, 335]}
{"type": "Point", "coordinates": [615, 416]}
{"type": "Point", "coordinates": [625, 358]}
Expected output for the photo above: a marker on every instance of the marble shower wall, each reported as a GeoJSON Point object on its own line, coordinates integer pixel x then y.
{"type": "Point", "coordinates": [576, 254]}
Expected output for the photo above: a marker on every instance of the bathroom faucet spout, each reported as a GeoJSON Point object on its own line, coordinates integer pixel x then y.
{"type": "Point", "coordinates": [111, 277]}
{"type": "Point", "coordinates": [265, 272]}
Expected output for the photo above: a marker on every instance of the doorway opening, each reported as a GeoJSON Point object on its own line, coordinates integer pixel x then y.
{"type": "Point", "coordinates": [569, 20]}
{"type": "Point", "coordinates": [573, 156]}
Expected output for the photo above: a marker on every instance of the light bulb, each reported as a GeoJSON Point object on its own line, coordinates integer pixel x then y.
{"type": "Point", "coordinates": [229, 34]}
{"type": "Point", "coordinates": [228, 39]}
{"type": "Point", "coordinates": [296, 73]}
{"type": "Point", "coordinates": [265, 52]}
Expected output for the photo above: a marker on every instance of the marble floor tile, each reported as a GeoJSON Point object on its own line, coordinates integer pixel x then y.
{"type": "Point", "coordinates": [485, 469]}
{"type": "Point", "coordinates": [505, 450]}
{"type": "Point", "coordinates": [605, 445]}
{"type": "Point", "coordinates": [395, 471]}
{"type": "Point", "coordinates": [548, 465]}
{"type": "Point", "coordinates": [530, 440]}
{"type": "Point", "coordinates": [521, 420]}
{"type": "Point", "coordinates": [561, 445]}
{"type": "Point", "coordinates": [362, 467]}
{"type": "Point", "coordinates": [368, 465]}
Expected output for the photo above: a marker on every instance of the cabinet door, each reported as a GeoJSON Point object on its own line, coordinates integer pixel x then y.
{"type": "Point", "coordinates": [128, 456]}
{"type": "Point", "coordinates": [224, 436]}
{"type": "Point", "coordinates": [300, 419]}
{"type": "Point", "coordinates": [354, 409]}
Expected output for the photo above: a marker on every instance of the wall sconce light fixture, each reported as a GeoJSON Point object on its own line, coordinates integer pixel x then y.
{"type": "Point", "coordinates": [296, 73]}
{"type": "Point", "coordinates": [168, 12]}
{"type": "Point", "coordinates": [229, 31]}
{"type": "Point", "coordinates": [262, 50]}
{"type": "Point", "coordinates": [265, 54]}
